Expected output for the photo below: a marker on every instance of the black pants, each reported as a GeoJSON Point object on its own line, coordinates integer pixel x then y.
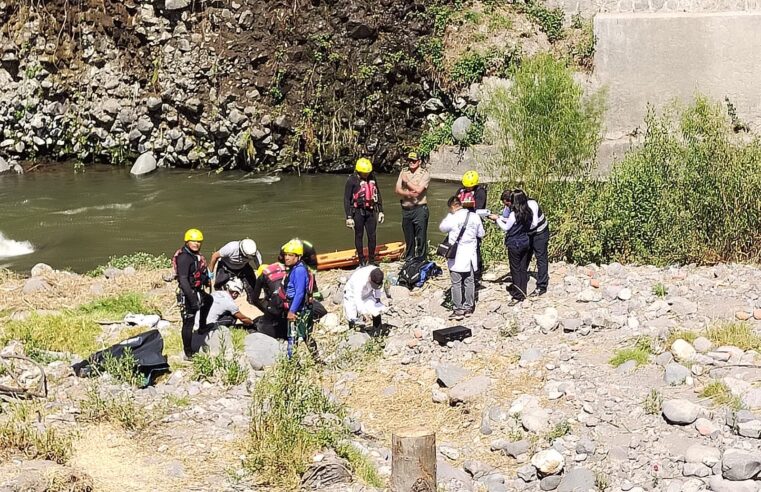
{"type": "Point", "coordinates": [538, 247]}
{"type": "Point", "coordinates": [273, 326]}
{"type": "Point", "coordinates": [519, 259]}
{"type": "Point", "coordinates": [365, 220]}
{"type": "Point", "coordinates": [479, 260]}
{"type": "Point", "coordinates": [189, 316]}
{"type": "Point", "coordinates": [247, 275]}
{"type": "Point", "coordinates": [415, 229]}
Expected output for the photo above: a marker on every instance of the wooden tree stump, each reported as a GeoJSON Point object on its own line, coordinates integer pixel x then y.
{"type": "Point", "coordinates": [413, 461]}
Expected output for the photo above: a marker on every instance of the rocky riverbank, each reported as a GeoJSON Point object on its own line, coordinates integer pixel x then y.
{"type": "Point", "coordinates": [620, 378]}
{"type": "Point", "coordinates": [250, 84]}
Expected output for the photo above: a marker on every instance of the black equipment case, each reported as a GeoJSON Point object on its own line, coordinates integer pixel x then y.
{"type": "Point", "coordinates": [451, 334]}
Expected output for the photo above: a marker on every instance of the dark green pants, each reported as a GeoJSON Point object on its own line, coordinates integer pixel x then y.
{"type": "Point", "coordinates": [415, 228]}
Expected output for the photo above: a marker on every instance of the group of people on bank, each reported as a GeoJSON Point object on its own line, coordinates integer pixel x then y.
{"type": "Point", "coordinates": [286, 293]}
{"type": "Point", "coordinates": [521, 219]}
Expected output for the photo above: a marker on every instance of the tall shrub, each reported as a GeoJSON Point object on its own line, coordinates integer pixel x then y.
{"type": "Point", "coordinates": [545, 128]}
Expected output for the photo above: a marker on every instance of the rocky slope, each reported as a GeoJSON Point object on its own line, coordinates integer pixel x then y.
{"type": "Point", "coordinates": [253, 84]}
{"type": "Point", "coordinates": [529, 402]}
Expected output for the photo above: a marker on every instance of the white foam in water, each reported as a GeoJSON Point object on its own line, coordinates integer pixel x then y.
{"type": "Point", "coordinates": [10, 248]}
{"type": "Point", "coordinates": [111, 206]}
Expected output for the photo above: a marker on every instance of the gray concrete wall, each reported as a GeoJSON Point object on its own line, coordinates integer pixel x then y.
{"type": "Point", "coordinates": [655, 58]}
{"type": "Point", "coordinates": [591, 7]}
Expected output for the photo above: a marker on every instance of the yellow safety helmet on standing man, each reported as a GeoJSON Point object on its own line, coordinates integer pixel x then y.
{"type": "Point", "coordinates": [193, 235]}
{"type": "Point", "coordinates": [470, 179]}
{"type": "Point", "coordinates": [363, 165]}
{"type": "Point", "coordinates": [293, 247]}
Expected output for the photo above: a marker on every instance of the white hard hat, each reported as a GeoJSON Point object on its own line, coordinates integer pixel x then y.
{"type": "Point", "coordinates": [248, 248]}
{"type": "Point", "coordinates": [235, 285]}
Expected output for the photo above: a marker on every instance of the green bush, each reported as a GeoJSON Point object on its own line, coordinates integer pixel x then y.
{"type": "Point", "coordinates": [688, 194]}
{"type": "Point", "coordinates": [470, 67]}
{"type": "Point", "coordinates": [291, 418]}
{"type": "Point", "coordinates": [550, 21]}
{"type": "Point", "coordinates": [546, 130]}
{"type": "Point", "coordinates": [436, 134]}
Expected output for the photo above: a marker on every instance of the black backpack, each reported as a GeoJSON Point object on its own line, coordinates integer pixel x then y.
{"type": "Point", "coordinates": [147, 348]}
{"type": "Point", "coordinates": [409, 275]}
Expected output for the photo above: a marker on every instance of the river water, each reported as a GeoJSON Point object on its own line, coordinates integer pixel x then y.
{"type": "Point", "coordinates": [78, 220]}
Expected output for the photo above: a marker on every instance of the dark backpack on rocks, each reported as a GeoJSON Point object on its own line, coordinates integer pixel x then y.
{"type": "Point", "coordinates": [416, 271]}
{"type": "Point", "coordinates": [146, 348]}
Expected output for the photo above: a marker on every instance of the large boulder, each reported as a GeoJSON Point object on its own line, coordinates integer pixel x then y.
{"type": "Point", "coordinates": [448, 375]}
{"type": "Point", "coordinates": [41, 269]}
{"type": "Point", "coordinates": [35, 284]}
{"type": "Point", "coordinates": [469, 390]}
{"type": "Point", "coordinates": [578, 480]}
{"type": "Point", "coordinates": [680, 411]}
{"type": "Point", "coordinates": [548, 462]}
{"type": "Point", "coordinates": [460, 128]}
{"type": "Point", "coordinates": [144, 164]}
{"type": "Point", "coordinates": [261, 350]}
{"type": "Point", "coordinates": [737, 464]}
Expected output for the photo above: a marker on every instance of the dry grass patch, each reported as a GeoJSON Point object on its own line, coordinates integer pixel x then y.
{"type": "Point", "coordinates": [19, 434]}
{"type": "Point", "coordinates": [68, 290]}
{"type": "Point", "coordinates": [721, 396]}
{"type": "Point", "coordinates": [736, 334]}
{"type": "Point", "coordinates": [410, 404]}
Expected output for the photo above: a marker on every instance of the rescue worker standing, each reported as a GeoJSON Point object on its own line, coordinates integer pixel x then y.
{"type": "Point", "coordinates": [412, 187]}
{"type": "Point", "coordinates": [192, 276]}
{"type": "Point", "coordinates": [538, 238]}
{"type": "Point", "coordinates": [363, 208]}
{"type": "Point", "coordinates": [234, 260]}
{"type": "Point", "coordinates": [472, 196]}
{"type": "Point", "coordinates": [297, 291]}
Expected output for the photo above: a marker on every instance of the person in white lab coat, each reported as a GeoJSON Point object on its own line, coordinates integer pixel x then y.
{"type": "Point", "coordinates": [463, 267]}
{"type": "Point", "coordinates": [362, 296]}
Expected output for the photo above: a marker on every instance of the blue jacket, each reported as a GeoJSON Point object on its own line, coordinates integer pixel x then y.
{"type": "Point", "coordinates": [298, 285]}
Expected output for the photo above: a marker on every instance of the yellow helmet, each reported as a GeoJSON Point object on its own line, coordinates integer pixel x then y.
{"type": "Point", "coordinates": [363, 165]}
{"type": "Point", "coordinates": [470, 179]}
{"type": "Point", "coordinates": [293, 247]}
{"type": "Point", "coordinates": [193, 235]}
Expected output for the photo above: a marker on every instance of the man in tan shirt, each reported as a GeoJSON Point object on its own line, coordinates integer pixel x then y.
{"type": "Point", "coordinates": [412, 187]}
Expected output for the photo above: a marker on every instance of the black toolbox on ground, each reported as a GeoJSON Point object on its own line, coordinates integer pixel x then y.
{"type": "Point", "coordinates": [451, 334]}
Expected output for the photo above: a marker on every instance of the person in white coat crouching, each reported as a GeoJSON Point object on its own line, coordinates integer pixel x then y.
{"type": "Point", "coordinates": [463, 267]}
{"type": "Point", "coordinates": [362, 296]}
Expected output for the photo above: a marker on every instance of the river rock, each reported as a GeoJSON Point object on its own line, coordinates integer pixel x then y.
{"type": "Point", "coordinates": [550, 483]}
{"type": "Point", "coordinates": [460, 128]}
{"type": "Point", "coordinates": [682, 350]}
{"type": "Point", "coordinates": [535, 420]}
{"type": "Point", "coordinates": [737, 464]}
{"type": "Point", "coordinates": [577, 480]}
{"type": "Point", "coordinates": [589, 295]}
{"type": "Point", "coordinates": [5, 166]}
{"type": "Point", "coordinates": [750, 429]}
{"type": "Point", "coordinates": [41, 269]}
{"type": "Point", "coordinates": [677, 374]}
{"type": "Point", "coordinates": [469, 390]}
{"type": "Point", "coordinates": [752, 398]}
{"type": "Point", "coordinates": [35, 284]}
{"type": "Point", "coordinates": [527, 473]}
{"type": "Point", "coordinates": [219, 342]}
{"type": "Point", "coordinates": [706, 455]}
{"type": "Point", "coordinates": [548, 462]}
{"type": "Point", "coordinates": [176, 4]}
{"type": "Point", "coordinates": [449, 375]}
{"type": "Point", "coordinates": [718, 484]}
{"type": "Point", "coordinates": [514, 449]}
{"type": "Point", "coordinates": [357, 340]}
{"type": "Point", "coordinates": [680, 411]}
{"type": "Point", "coordinates": [547, 321]}
{"type": "Point", "coordinates": [261, 350]}
{"type": "Point", "coordinates": [144, 164]}
{"type": "Point", "coordinates": [702, 345]}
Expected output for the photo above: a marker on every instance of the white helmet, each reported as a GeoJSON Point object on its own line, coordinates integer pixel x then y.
{"type": "Point", "coordinates": [235, 285]}
{"type": "Point", "coordinates": [248, 248]}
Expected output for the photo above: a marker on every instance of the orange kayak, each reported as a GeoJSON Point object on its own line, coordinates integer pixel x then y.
{"type": "Point", "coordinates": [349, 258]}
